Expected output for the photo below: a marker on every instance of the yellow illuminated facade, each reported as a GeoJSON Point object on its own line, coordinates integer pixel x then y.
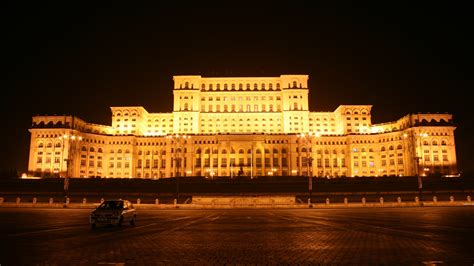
{"type": "Point", "coordinates": [250, 126]}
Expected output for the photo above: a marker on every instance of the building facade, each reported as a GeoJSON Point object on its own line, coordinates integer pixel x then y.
{"type": "Point", "coordinates": [242, 126]}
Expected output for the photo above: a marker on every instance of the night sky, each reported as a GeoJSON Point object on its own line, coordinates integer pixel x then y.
{"type": "Point", "coordinates": [81, 60]}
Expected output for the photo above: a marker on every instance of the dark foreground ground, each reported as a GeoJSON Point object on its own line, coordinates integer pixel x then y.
{"type": "Point", "coordinates": [395, 236]}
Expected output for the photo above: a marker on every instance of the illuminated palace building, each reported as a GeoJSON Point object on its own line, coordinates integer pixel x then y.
{"type": "Point", "coordinates": [245, 126]}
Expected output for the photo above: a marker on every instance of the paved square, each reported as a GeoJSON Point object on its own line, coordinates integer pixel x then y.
{"type": "Point", "coordinates": [388, 236]}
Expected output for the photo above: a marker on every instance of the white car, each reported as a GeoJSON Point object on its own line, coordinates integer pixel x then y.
{"type": "Point", "coordinates": [113, 212]}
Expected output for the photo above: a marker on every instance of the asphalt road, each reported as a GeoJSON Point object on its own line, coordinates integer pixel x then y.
{"type": "Point", "coordinates": [388, 236]}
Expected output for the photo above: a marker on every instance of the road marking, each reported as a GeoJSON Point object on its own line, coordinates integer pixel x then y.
{"type": "Point", "coordinates": [46, 230]}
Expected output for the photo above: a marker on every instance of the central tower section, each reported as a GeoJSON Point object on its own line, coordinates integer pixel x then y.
{"type": "Point", "coordinates": [240, 105]}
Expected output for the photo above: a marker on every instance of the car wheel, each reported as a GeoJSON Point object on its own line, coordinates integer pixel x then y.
{"type": "Point", "coordinates": [120, 221]}
{"type": "Point", "coordinates": [132, 222]}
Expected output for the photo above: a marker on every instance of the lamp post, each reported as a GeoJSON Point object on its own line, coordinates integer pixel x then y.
{"type": "Point", "coordinates": [418, 158]}
{"type": "Point", "coordinates": [71, 139]}
{"type": "Point", "coordinates": [306, 140]}
{"type": "Point", "coordinates": [177, 157]}
{"type": "Point", "coordinates": [417, 154]}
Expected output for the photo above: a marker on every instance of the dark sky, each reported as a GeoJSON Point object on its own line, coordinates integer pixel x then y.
{"type": "Point", "coordinates": [81, 60]}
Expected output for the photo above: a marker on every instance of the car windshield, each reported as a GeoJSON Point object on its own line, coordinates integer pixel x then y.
{"type": "Point", "coordinates": [111, 205]}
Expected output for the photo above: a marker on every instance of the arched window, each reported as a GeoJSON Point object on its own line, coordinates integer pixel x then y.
{"type": "Point", "coordinates": [83, 148]}
{"type": "Point", "coordinates": [303, 150]}
{"type": "Point", "coordinates": [390, 148]}
{"type": "Point", "coordinates": [225, 86]}
{"type": "Point", "coordinates": [40, 145]}
{"type": "Point", "coordinates": [249, 151]}
{"type": "Point", "coordinates": [326, 152]}
{"type": "Point", "coordinates": [218, 86]}
{"type": "Point", "coordinates": [294, 84]}
{"type": "Point", "coordinates": [383, 149]}
{"type": "Point", "coordinates": [57, 145]}
{"type": "Point", "coordinates": [210, 86]}
{"type": "Point", "coordinates": [267, 151]}
{"type": "Point", "coordinates": [111, 151]}
{"type": "Point", "coordinates": [434, 143]}
{"type": "Point", "coordinates": [259, 151]}
{"type": "Point", "coordinates": [295, 106]}
{"type": "Point", "coordinates": [233, 86]}
{"type": "Point", "coordinates": [399, 147]}
{"type": "Point", "coordinates": [255, 86]}
{"type": "Point", "coordinates": [119, 151]}
{"type": "Point", "coordinates": [425, 143]}
{"type": "Point", "coordinates": [240, 86]}
{"type": "Point", "coordinates": [49, 145]}
{"type": "Point", "coordinates": [241, 151]}
{"type": "Point", "coordinates": [99, 150]}
{"type": "Point", "coordinates": [147, 153]}
{"type": "Point", "coordinates": [443, 142]}
{"type": "Point", "coordinates": [263, 86]}
{"type": "Point", "coordinates": [362, 150]}
{"type": "Point", "coordinates": [207, 151]}
{"type": "Point", "coordinates": [127, 151]}
{"type": "Point", "coordinates": [334, 152]}
{"type": "Point", "coordinates": [91, 149]}
{"type": "Point", "coordinates": [163, 152]}
{"type": "Point", "coordinates": [275, 151]}
{"type": "Point", "coordinates": [198, 151]}
{"type": "Point", "coordinates": [203, 86]}
{"type": "Point", "coordinates": [248, 86]}
{"type": "Point", "coordinates": [283, 150]}
{"type": "Point", "coordinates": [186, 106]}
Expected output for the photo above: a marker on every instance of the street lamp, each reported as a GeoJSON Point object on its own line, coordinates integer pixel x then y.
{"type": "Point", "coordinates": [306, 140]}
{"type": "Point", "coordinates": [417, 153]}
{"type": "Point", "coordinates": [177, 157]}
{"type": "Point", "coordinates": [420, 180]}
{"type": "Point", "coordinates": [72, 139]}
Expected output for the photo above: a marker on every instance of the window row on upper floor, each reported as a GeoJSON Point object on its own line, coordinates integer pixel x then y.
{"type": "Point", "coordinates": [238, 86]}
{"type": "Point", "coordinates": [241, 98]}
